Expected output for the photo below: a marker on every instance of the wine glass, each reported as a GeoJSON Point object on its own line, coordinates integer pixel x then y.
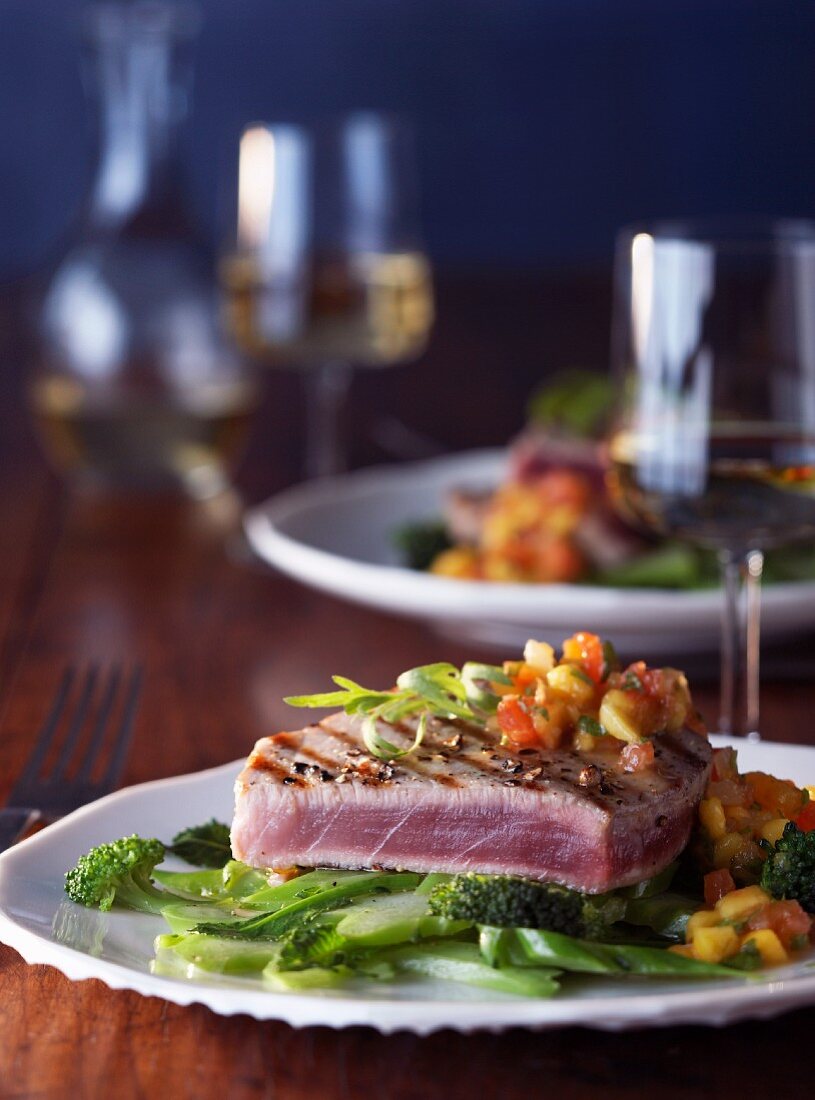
{"type": "Point", "coordinates": [327, 270]}
{"type": "Point", "coordinates": [714, 345]}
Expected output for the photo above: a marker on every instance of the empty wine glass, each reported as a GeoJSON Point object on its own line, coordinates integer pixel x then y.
{"type": "Point", "coordinates": [714, 345]}
{"type": "Point", "coordinates": [327, 271]}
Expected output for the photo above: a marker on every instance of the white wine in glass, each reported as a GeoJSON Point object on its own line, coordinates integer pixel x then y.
{"type": "Point", "coordinates": [371, 309]}
{"type": "Point", "coordinates": [327, 272]}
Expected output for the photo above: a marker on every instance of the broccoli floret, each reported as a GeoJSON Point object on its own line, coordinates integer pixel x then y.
{"type": "Point", "coordinates": [206, 845]}
{"type": "Point", "coordinates": [421, 542]}
{"type": "Point", "coordinates": [789, 871]}
{"type": "Point", "coordinates": [119, 871]}
{"type": "Point", "coordinates": [507, 902]}
{"type": "Point", "coordinates": [311, 945]}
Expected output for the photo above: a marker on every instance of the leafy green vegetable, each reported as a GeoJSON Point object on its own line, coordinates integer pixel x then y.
{"type": "Point", "coordinates": [463, 962]}
{"type": "Point", "coordinates": [120, 871]}
{"type": "Point", "coordinates": [394, 918]}
{"type": "Point", "coordinates": [578, 402]}
{"type": "Point", "coordinates": [194, 885]}
{"type": "Point", "coordinates": [273, 925]}
{"type": "Point", "coordinates": [748, 958]}
{"type": "Point", "coordinates": [309, 945]}
{"type": "Point", "coordinates": [204, 845]}
{"type": "Point", "coordinates": [217, 955]}
{"type": "Point", "coordinates": [301, 981]}
{"type": "Point", "coordinates": [789, 870]}
{"type": "Point", "coordinates": [511, 902]}
{"type": "Point", "coordinates": [587, 724]}
{"type": "Point", "coordinates": [125, 870]}
{"type": "Point", "coordinates": [183, 916]}
{"type": "Point", "coordinates": [429, 882]}
{"type": "Point", "coordinates": [439, 687]}
{"type": "Point", "coordinates": [241, 881]}
{"type": "Point", "coordinates": [323, 928]}
{"type": "Point", "coordinates": [272, 897]}
{"type": "Point", "coordinates": [436, 689]}
{"type": "Point", "coordinates": [544, 948]}
{"type": "Point", "coordinates": [658, 884]}
{"type": "Point", "coordinates": [665, 914]}
{"type": "Point", "coordinates": [789, 563]}
{"type": "Point", "coordinates": [421, 542]}
{"type": "Point", "coordinates": [611, 661]}
{"type": "Point", "coordinates": [478, 679]}
{"type": "Point", "coordinates": [671, 565]}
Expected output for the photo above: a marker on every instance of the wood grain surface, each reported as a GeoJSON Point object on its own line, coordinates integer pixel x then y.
{"type": "Point", "coordinates": [171, 584]}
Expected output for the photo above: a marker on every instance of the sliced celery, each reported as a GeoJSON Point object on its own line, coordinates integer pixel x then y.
{"type": "Point", "coordinates": [182, 916]}
{"type": "Point", "coordinates": [235, 880]}
{"type": "Point", "coordinates": [394, 918]}
{"type": "Point", "coordinates": [216, 955]}
{"type": "Point", "coordinates": [240, 880]}
{"type": "Point", "coordinates": [204, 885]}
{"type": "Point", "coordinates": [301, 981]}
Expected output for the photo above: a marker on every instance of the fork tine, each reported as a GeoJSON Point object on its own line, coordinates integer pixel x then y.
{"type": "Point", "coordinates": [46, 738]}
{"type": "Point", "coordinates": [124, 733]}
{"type": "Point", "coordinates": [97, 740]}
{"type": "Point", "coordinates": [77, 722]}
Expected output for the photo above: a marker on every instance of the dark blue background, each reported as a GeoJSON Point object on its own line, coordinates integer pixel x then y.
{"type": "Point", "coordinates": [544, 124]}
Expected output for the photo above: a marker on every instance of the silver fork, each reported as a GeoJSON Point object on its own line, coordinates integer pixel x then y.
{"type": "Point", "coordinates": [102, 706]}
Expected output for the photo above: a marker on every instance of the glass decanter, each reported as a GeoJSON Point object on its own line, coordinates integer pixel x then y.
{"type": "Point", "coordinates": [134, 385]}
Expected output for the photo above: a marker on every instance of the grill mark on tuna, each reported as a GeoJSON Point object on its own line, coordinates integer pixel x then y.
{"type": "Point", "coordinates": [547, 827]}
{"type": "Point", "coordinates": [411, 763]}
{"type": "Point", "coordinates": [413, 767]}
{"type": "Point", "coordinates": [263, 763]}
{"type": "Point", "coordinates": [494, 769]}
{"type": "Point", "coordinates": [340, 735]}
{"type": "Point", "coordinates": [685, 754]}
{"type": "Point", "coordinates": [289, 740]}
{"type": "Point", "coordinates": [295, 745]}
{"type": "Point", "coordinates": [445, 779]}
{"type": "Point", "coordinates": [328, 764]}
{"type": "Point", "coordinates": [458, 759]}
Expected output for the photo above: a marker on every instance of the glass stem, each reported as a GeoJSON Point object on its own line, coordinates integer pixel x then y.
{"type": "Point", "coordinates": [740, 649]}
{"type": "Point", "coordinates": [327, 388]}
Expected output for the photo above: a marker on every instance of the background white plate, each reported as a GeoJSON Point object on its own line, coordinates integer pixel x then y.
{"type": "Point", "coordinates": [37, 919]}
{"type": "Point", "coordinates": [337, 535]}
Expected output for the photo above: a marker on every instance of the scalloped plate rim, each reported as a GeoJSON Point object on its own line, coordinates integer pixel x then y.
{"type": "Point", "coordinates": [712, 1003]}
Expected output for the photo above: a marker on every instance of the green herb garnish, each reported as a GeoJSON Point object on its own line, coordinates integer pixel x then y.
{"type": "Point", "coordinates": [611, 662]}
{"type": "Point", "coordinates": [587, 724]}
{"type": "Point", "coordinates": [577, 402]}
{"type": "Point", "coordinates": [436, 690]}
{"type": "Point", "coordinates": [204, 845]}
{"type": "Point", "coordinates": [421, 542]}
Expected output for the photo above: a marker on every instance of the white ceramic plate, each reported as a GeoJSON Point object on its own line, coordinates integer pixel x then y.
{"type": "Point", "coordinates": [336, 535]}
{"type": "Point", "coordinates": [38, 920]}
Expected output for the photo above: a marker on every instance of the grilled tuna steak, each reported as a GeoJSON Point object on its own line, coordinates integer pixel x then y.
{"type": "Point", "coordinates": [464, 803]}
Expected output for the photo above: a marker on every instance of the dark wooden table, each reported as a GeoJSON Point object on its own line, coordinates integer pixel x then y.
{"type": "Point", "coordinates": [222, 639]}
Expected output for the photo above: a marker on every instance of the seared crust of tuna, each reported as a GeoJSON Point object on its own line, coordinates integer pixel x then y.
{"type": "Point", "coordinates": [462, 802]}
